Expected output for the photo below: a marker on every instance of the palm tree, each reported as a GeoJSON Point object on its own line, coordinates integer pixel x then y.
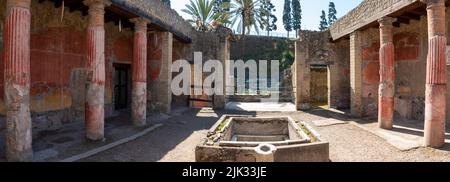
{"type": "Point", "coordinates": [202, 14]}
{"type": "Point", "coordinates": [246, 13]}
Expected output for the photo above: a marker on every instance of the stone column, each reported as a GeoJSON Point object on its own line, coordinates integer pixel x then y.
{"type": "Point", "coordinates": [162, 93]}
{"type": "Point", "coordinates": [436, 79]}
{"type": "Point", "coordinates": [17, 80]}
{"type": "Point", "coordinates": [387, 74]}
{"type": "Point", "coordinates": [139, 73]}
{"type": "Point", "coordinates": [355, 74]}
{"type": "Point", "coordinates": [301, 77]}
{"type": "Point", "coordinates": [95, 96]}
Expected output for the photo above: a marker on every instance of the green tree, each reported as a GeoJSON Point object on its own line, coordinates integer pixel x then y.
{"type": "Point", "coordinates": [246, 14]}
{"type": "Point", "coordinates": [269, 19]}
{"type": "Point", "coordinates": [287, 16]}
{"type": "Point", "coordinates": [221, 12]}
{"type": "Point", "coordinates": [167, 2]}
{"type": "Point", "coordinates": [296, 16]}
{"type": "Point", "coordinates": [201, 12]}
{"type": "Point", "coordinates": [332, 14]}
{"type": "Point", "coordinates": [219, 6]}
{"type": "Point", "coordinates": [323, 22]}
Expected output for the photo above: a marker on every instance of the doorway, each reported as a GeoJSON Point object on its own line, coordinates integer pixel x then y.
{"type": "Point", "coordinates": [319, 86]}
{"type": "Point", "coordinates": [121, 86]}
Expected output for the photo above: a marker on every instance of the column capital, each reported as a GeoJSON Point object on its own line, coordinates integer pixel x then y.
{"type": "Point", "coordinates": [96, 11]}
{"type": "Point", "coordinates": [435, 17]}
{"type": "Point", "coordinates": [18, 3]}
{"type": "Point", "coordinates": [140, 23]}
{"type": "Point", "coordinates": [386, 29]}
{"type": "Point", "coordinates": [433, 2]}
{"type": "Point", "coordinates": [386, 21]}
{"type": "Point", "coordinates": [97, 3]}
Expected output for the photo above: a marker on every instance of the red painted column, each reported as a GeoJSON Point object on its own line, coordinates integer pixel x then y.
{"type": "Point", "coordinates": [17, 80]}
{"type": "Point", "coordinates": [387, 74]}
{"type": "Point", "coordinates": [139, 73]}
{"type": "Point", "coordinates": [436, 79]}
{"type": "Point", "coordinates": [95, 96]}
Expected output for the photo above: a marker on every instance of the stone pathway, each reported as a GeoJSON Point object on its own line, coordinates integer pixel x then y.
{"type": "Point", "coordinates": [176, 140]}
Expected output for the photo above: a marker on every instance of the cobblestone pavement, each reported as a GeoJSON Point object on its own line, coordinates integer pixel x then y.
{"type": "Point", "coordinates": [176, 140]}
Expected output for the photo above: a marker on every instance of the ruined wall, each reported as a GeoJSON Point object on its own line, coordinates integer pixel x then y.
{"type": "Point", "coordinates": [410, 41]}
{"type": "Point", "coordinates": [313, 49]}
{"type": "Point", "coordinates": [410, 62]}
{"type": "Point", "coordinates": [260, 48]}
{"type": "Point", "coordinates": [339, 76]}
{"type": "Point", "coordinates": [411, 49]}
{"type": "Point", "coordinates": [208, 44]}
{"type": "Point", "coordinates": [58, 64]}
{"type": "Point", "coordinates": [370, 71]}
{"type": "Point", "coordinates": [154, 63]}
{"type": "Point", "coordinates": [2, 102]}
{"type": "Point", "coordinates": [160, 58]}
{"type": "Point", "coordinates": [180, 51]}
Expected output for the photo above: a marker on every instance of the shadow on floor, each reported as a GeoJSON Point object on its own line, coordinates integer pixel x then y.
{"type": "Point", "coordinates": [176, 139]}
{"type": "Point", "coordinates": [69, 140]}
{"type": "Point", "coordinates": [408, 127]}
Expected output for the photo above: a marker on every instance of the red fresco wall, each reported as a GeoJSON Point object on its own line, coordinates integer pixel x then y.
{"type": "Point", "coordinates": [406, 46]}
{"type": "Point", "coordinates": [55, 52]}
{"type": "Point", "coordinates": [154, 54]}
{"type": "Point", "coordinates": [371, 78]}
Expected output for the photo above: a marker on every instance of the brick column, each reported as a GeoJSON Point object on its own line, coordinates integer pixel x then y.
{"type": "Point", "coordinates": [333, 79]}
{"type": "Point", "coordinates": [387, 74]}
{"type": "Point", "coordinates": [355, 74]}
{"type": "Point", "coordinates": [436, 79]}
{"type": "Point", "coordinates": [301, 77]}
{"type": "Point", "coordinates": [139, 73]}
{"type": "Point", "coordinates": [17, 80]}
{"type": "Point", "coordinates": [95, 96]}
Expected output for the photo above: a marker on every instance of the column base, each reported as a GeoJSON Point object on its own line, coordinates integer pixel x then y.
{"type": "Point", "coordinates": [18, 136]}
{"type": "Point", "coordinates": [386, 112]}
{"type": "Point", "coordinates": [95, 112]}
{"type": "Point", "coordinates": [435, 106]}
{"type": "Point", "coordinates": [20, 156]}
{"type": "Point", "coordinates": [139, 104]}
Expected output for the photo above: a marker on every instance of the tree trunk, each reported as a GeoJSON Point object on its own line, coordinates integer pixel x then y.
{"type": "Point", "coordinates": [243, 23]}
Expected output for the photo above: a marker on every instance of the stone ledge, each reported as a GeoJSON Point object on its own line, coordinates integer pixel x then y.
{"type": "Point", "coordinates": [367, 12]}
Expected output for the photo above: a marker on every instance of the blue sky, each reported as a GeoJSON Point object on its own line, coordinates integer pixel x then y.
{"type": "Point", "coordinates": [311, 11]}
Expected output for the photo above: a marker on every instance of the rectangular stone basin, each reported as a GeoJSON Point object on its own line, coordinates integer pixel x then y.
{"type": "Point", "coordinates": [237, 138]}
